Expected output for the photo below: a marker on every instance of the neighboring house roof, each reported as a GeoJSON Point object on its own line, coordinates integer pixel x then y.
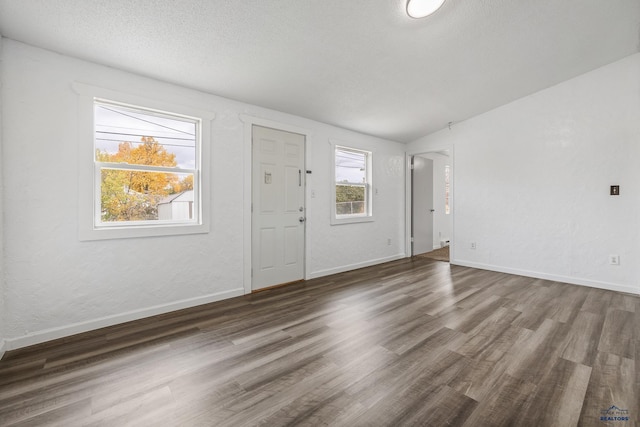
{"type": "Point", "coordinates": [185, 196]}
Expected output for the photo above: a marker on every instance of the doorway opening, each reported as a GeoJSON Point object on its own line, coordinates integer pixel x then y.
{"type": "Point", "coordinates": [430, 207]}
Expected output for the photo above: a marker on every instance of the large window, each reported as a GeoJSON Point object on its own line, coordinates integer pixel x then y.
{"type": "Point", "coordinates": [146, 165]}
{"type": "Point", "coordinates": [143, 164]}
{"type": "Point", "coordinates": [352, 177]}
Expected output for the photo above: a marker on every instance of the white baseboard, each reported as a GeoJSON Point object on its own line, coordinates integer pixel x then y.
{"type": "Point", "coordinates": [342, 269]}
{"type": "Point", "coordinates": [90, 325]}
{"type": "Point", "coordinates": [553, 277]}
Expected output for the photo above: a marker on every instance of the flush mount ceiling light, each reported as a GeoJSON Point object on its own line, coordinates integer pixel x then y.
{"type": "Point", "coordinates": [422, 8]}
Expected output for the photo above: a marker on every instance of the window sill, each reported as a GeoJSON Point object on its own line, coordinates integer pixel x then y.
{"type": "Point", "coordinates": [126, 232]}
{"type": "Point", "coordinates": [351, 219]}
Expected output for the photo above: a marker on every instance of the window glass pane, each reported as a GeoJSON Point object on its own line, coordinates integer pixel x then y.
{"type": "Point", "coordinates": [143, 137]}
{"type": "Point", "coordinates": [350, 199]}
{"type": "Point", "coordinates": [351, 166]}
{"type": "Point", "coordinates": [145, 196]}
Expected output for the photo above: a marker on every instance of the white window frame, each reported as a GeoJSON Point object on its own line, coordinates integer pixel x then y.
{"type": "Point", "coordinates": [368, 185]}
{"type": "Point", "coordinates": [89, 210]}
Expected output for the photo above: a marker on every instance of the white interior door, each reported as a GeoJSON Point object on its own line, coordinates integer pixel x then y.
{"type": "Point", "coordinates": [278, 212]}
{"type": "Point", "coordinates": [422, 205]}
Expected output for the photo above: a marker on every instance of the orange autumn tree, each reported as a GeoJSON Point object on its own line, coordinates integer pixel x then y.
{"type": "Point", "coordinates": [185, 184]}
{"type": "Point", "coordinates": [134, 195]}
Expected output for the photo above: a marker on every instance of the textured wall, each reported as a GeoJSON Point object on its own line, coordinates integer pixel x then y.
{"type": "Point", "coordinates": [2, 286]}
{"type": "Point", "coordinates": [532, 181]}
{"type": "Point", "coordinates": [345, 246]}
{"type": "Point", "coordinates": [57, 285]}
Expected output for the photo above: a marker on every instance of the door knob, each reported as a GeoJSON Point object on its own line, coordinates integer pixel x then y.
{"type": "Point", "coordinates": [433, 210]}
{"type": "Point", "coordinates": [301, 219]}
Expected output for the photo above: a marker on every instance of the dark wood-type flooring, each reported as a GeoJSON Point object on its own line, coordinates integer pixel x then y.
{"type": "Point", "coordinates": [412, 342]}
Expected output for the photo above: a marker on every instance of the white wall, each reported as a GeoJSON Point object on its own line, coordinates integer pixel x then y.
{"type": "Point", "coordinates": [344, 247]}
{"type": "Point", "coordinates": [531, 181]}
{"type": "Point", "coordinates": [57, 285]}
{"type": "Point", "coordinates": [2, 308]}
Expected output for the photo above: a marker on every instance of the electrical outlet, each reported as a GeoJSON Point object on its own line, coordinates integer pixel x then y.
{"type": "Point", "coordinates": [389, 242]}
{"type": "Point", "coordinates": [614, 259]}
{"type": "Point", "coordinates": [473, 245]}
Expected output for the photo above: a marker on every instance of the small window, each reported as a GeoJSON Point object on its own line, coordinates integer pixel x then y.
{"type": "Point", "coordinates": [352, 176]}
{"type": "Point", "coordinates": [146, 166]}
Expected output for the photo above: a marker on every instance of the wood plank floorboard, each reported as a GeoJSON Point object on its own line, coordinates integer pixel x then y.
{"type": "Point", "coordinates": [414, 342]}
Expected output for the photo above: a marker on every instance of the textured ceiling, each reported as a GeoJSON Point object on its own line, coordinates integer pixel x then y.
{"type": "Point", "coordinates": [359, 64]}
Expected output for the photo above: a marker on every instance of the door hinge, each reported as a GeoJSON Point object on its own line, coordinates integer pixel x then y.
{"type": "Point", "coordinates": [411, 166]}
{"type": "Point", "coordinates": [412, 240]}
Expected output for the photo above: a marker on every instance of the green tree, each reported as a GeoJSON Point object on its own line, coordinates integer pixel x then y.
{"type": "Point", "coordinates": [350, 199]}
{"type": "Point", "coordinates": [349, 193]}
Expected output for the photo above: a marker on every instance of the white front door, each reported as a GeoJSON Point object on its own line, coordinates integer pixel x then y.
{"type": "Point", "coordinates": [278, 212]}
{"type": "Point", "coordinates": [422, 205]}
